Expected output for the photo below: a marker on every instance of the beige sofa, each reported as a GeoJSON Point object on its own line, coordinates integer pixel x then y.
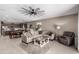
{"type": "Point", "coordinates": [28, 37]}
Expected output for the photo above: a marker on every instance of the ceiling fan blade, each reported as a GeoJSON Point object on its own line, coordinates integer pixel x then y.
{"type": "Point", "coordinates": [25, 13]}
{"type": "Point", "coordinates": [42, 11]}
{"type": "Point", "coordinates": [25, 9]}
{"type": "Point", "coordinates": [30, 8]}
{"type": "Point", "coordinates": [38, 12]}
{"type": "Point", "coordinates": [37, 9]}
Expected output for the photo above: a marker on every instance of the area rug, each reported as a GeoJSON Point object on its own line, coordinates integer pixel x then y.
{"type": "Point", "coordinates": [34, 49]}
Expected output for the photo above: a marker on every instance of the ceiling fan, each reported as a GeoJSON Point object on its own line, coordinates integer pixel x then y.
{"type": "Point", "coordinates": [31, 11]}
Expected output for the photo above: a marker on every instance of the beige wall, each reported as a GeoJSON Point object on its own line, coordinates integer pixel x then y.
{"type": "Point", "coordinates": [78, 30]}
{"type": "Point", "coordinates": [67, 23]}
{"type": "Point", "coordinates": [0, 27]}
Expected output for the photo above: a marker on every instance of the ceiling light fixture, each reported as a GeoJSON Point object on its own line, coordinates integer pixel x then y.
{"type": "Point", "coordinates": [31, 11]}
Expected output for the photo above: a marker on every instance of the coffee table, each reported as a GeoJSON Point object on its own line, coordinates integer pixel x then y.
{"type": "Point", "coordinates": [41, 40]}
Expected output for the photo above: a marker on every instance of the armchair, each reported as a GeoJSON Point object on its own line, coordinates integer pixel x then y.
{"type": "Point", "coordinates": [67, 38]}
{"type": "Point", "coordinates": [26, 37]}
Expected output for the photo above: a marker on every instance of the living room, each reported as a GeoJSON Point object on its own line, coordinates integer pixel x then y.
{"type": "Point", "coordinates": [48, 34]}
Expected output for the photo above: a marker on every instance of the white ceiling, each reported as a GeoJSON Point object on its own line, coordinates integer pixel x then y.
{"type": "Point", "coordinates": [10, 13]}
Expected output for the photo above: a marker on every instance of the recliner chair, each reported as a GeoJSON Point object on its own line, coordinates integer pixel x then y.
{"type": "Point", "coordinates": [67, 38]}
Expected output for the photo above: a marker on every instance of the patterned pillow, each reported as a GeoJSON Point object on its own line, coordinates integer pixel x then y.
{"type": "Point", "coordinates": [27, 34]}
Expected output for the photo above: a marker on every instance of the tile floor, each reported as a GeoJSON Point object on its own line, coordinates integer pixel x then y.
{"type": "Point", "coordinates": [11, 46]}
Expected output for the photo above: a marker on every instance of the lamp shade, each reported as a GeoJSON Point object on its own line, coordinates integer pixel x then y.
{"type": "Point", "coordinates": [58, 27]}
{"type": "Point", "coordinates": [39, 23]}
